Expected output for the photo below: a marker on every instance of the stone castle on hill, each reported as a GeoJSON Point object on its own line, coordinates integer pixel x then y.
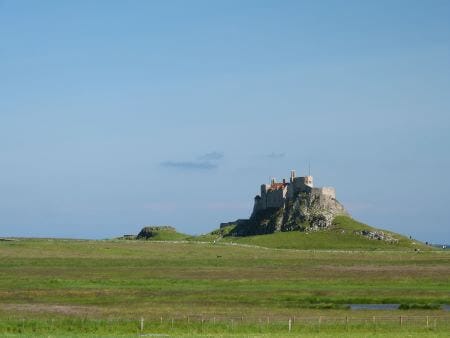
{"type": "Point", "coordinates": [288, 206]}
{"type": "Point", "coordinates": [275, 195]}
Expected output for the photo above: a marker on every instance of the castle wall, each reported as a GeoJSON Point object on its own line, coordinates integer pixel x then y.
{"type": "Point", "coordinates": [329, 191]}
{"type": "Point", "coordinates": [302, 184]}
{"type": "Point", "coordinates": [290, 191]}
{"type": "Point", "coordinates": [325, 192]}
{"type": "Point", "coordinates": [259, 204]}
{"type": "Point", "coordinates": [325, 199]}
{"type": "Point", "coordinates": [276, 198]}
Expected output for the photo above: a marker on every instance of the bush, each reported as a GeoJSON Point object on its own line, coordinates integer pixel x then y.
{"type": "Point", "coordinates": [415, 306]}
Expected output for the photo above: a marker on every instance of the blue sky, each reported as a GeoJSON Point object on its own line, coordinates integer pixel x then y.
{"type": "Point", "coordinates": [119, 114]}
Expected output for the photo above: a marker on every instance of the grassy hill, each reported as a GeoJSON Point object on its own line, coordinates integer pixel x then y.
{"type": "Point", "coordinates": [344, 234]}
{"type": "Point", "coordinates": [159, 233]}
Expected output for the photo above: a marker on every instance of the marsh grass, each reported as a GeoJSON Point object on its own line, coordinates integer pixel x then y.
{"type": "Point", "coordinates": [109, 285]}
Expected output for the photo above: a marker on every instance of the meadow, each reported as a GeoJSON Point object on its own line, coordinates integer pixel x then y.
{"type": "Point", "coordinates": [105, 287]}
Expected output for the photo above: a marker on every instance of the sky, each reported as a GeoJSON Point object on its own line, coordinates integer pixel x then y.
{"type": "Point", "coordinates": [119, 114]}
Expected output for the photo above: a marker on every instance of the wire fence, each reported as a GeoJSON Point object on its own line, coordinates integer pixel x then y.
{"type": "Point", "coordinates": [423, 321]}
{"type": "Point", "coordinates": [220, 324]}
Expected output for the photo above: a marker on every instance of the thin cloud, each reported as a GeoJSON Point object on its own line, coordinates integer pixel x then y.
{"type": "Point", "coordinates": [206, 161]}
{"type": "Point", "coordinates": [212, 156]}
{"type": "Point", "coordinates": [276, 155]}
{"type": "Point", "coordinates": [189, 165]}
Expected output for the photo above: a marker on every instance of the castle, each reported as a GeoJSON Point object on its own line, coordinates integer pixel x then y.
{"type": "Point", "coordinates": [289, 206]}
{"type": "Point", "coordinates": [277, 194]}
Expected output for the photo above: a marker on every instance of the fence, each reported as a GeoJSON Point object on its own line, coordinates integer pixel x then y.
{"type": "Point", "coordinates": [198, 324]}
{"type": "Point", "coordinates": [298, 322]}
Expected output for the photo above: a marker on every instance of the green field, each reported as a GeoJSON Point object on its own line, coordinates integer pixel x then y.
{"type": "Point", "coordinates": [62, 286]}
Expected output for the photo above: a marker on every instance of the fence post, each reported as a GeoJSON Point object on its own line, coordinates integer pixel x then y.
{"type": "Point", "coordinates": [161, 320]}
{"type": "Point", "coordinates": [188, 319]}
{"type": "Point", "coordinates": [172, 323]}
{"type": "Point", "coordinates": [401, 320]}
{"type": "Point", "coordinates": [142, 324]}
{"type": "Point", "coordinates": [290, 324]}
{"type": "Point", "coordinates": [427, 321]}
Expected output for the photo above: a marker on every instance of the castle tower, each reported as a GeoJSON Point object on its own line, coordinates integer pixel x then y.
{"type": "Point", "coordinates": [264, 189]}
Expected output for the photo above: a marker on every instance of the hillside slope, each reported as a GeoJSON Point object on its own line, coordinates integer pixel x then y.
{"type": "Point", "coordinates": [344, 234]}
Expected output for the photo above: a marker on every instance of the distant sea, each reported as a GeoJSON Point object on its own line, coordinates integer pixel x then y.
{"type": "Point", "coordinates": [442, 246]}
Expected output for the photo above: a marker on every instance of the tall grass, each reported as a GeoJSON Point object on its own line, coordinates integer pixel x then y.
{"type": "Point", "coordinates": [323, 325]}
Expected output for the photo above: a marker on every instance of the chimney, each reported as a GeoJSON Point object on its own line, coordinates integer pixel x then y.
{"type": "Point", "coordinates": [292, 175]}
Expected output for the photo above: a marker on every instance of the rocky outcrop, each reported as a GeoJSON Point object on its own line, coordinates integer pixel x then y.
{"type": "Point", "coordinates": [307, 211]}
{"type": "Point", "coordinates": [377, 235]}
{"type": "Point", "coordinates": [151, 231]}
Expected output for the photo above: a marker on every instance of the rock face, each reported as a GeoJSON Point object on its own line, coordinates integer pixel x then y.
{"type": "Point", "coordinates": [309, 210]}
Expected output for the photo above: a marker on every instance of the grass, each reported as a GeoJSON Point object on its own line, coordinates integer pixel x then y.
{"type": "Point", "coordinates": [113, 283]}
{"type": "Point", "coordinates": [181, 327]}
{"type": "Point", "coordinates": [341, 236]}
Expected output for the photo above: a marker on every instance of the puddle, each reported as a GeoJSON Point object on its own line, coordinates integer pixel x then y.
{"type": "Point", "coordinates": [445, 307]}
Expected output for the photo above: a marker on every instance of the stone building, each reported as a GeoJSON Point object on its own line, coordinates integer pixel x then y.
{"type": "Point", "coordinates": [277, 194]}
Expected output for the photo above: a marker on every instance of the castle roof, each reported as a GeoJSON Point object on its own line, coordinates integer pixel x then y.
{"type": "Point", "coordinates": [277, 186]}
